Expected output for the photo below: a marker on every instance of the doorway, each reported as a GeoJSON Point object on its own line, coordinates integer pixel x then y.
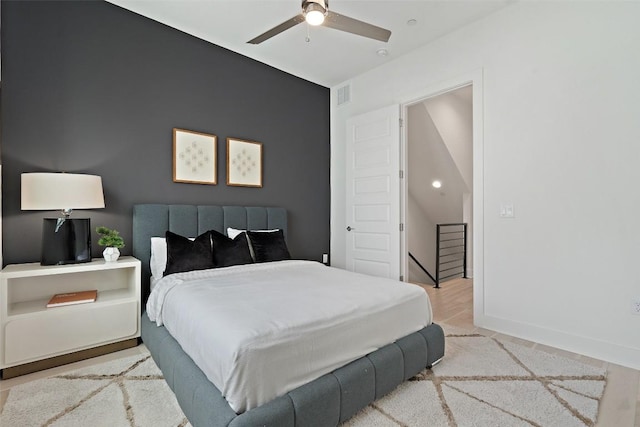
{"type": "Point", "coordinates": [439, 178]}
{"type": "Point", "coordinates": [441, 156]}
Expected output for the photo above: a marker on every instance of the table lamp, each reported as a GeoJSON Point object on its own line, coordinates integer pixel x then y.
{"type": "Point", "coordinates": [64, 240]}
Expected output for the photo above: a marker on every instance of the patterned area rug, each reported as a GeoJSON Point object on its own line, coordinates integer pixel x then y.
{"type": "Point", "coordinates": [484, 381]}
{"type": "Point", "coordinates": [481, 382]}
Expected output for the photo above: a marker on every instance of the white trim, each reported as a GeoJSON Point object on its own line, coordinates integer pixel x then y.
{"type": "Point", "coordinates": [478, 195]}
{"type": "Point", "coordinates": [597, 349]}
{"type": "Point", "coordinates": [470, 272]}
{"type": "Point", "coordinates": [404, 194]}
{"type": "Point", "coordinates": [474, 78]}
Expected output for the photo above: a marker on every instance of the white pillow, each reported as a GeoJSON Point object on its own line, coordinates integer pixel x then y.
{"type": "Point", "coordinates": [158, 261]}
{"type": "Point", "coordinates": [233, 232]}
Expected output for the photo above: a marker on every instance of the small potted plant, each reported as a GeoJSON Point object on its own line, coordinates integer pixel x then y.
{"type": "Point", "coordinates": [112, 240]}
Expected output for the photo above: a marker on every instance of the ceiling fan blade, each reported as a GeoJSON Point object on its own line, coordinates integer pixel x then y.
{"type": "Point", "coordinates": [353, 26]}
{"type": "Point", "coordinates": [277, 29]}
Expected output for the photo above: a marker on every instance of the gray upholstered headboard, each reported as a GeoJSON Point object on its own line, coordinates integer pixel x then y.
{"type": "Point", "coordinates": [153, 220]}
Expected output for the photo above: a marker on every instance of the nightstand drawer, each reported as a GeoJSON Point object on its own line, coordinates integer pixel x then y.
{"type": "Point", "coordinates": [68, 329]}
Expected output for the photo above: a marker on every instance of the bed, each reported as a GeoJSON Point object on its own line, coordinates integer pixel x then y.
{"type": "Point", "coordinates": [329, 399]}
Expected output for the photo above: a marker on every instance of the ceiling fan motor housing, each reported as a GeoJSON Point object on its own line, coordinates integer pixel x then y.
{"type": "Point", "coordinates": [319, 5]}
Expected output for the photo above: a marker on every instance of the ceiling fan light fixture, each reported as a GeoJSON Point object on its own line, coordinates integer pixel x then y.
{"type": "Point", "coordinates": [314, 14]}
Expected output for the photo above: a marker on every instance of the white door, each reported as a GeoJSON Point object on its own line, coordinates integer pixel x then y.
{"type": "Point", "coordinates": [373, 193]}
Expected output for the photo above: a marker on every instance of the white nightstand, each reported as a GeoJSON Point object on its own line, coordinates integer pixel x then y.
{"type": "Point", "coordinates": [34, 337]}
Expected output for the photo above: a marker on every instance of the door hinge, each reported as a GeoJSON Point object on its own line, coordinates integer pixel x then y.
{"type": "Point", "coordinates": [401, 122]}
{"type": "Point", "coordinates": [401, 174]}
{"type": "Point", "coordinates": [402, 278]}
{"type": "Point", "coordinates": [401, 227]}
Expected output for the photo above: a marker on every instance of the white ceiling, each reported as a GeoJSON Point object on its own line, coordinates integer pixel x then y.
{"type": "Point", "coordinates": [332, 56]}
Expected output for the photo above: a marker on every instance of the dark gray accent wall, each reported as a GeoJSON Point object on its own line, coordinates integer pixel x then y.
{"type": "Point", "coordinates": [88, 87]}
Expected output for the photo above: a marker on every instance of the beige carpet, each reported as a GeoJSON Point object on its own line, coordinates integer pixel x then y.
{"type": "Point", "coordinates": [481, 382]}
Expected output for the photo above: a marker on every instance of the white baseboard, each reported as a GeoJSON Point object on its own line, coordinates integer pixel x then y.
{"type": "Point", "coordinates": [602, 350]}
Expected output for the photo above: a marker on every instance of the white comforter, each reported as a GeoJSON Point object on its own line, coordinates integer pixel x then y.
{"type": "Point", "coordinates": [260, 330]}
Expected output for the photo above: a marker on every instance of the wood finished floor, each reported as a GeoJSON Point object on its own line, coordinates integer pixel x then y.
{"type": "Point", "coordinates": [452, 304]}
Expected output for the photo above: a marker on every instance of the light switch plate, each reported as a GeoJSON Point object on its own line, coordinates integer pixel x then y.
{"type": "Point", "coordinates": [506, 210]}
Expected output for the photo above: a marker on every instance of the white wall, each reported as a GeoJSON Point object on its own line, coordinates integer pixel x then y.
{"type": "Point", "coordinates": [451, 113]}
{"type": "Point", "coordinates": [429, 159]}
{"type": "Point", "coordinates": [562, 143]}
{"type": "Point", "coordinates": [421, 240]}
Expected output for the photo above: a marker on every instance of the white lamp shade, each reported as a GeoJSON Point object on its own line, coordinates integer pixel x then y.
{"type": "Point", "coordinates": [55, 191]}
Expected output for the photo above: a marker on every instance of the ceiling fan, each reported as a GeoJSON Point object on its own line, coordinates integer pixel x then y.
{"type": "Point", "coordinates": [316, 12]}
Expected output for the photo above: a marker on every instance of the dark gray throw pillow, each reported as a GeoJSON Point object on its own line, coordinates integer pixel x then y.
{"type": "Point", "coordinates": [184, 254]}
{"type": "Point", "coordinates": [269, 246]}
{"type": "Point", "coordinates": [228, 252]}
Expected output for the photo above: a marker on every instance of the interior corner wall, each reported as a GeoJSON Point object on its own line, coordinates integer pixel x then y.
{"type": "Point", "coordinates": [452, 115]}
{"type": "Point", "coordinates": [561, 131]}
{"type": "Point", "coordinates": [1, 216]}
{"type": "Point", "coordinates": [89, 87]}
{"type": "Point", "coordinates": [421, 242]}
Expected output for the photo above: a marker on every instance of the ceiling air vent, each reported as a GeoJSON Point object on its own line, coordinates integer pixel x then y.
{"type": "Point", "coordinates": [344, 94]}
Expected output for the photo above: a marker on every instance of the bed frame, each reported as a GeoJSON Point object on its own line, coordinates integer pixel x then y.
{"type": "Point", "coordinates": [326, 401]}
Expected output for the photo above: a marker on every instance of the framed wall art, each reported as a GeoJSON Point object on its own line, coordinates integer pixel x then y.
{"type": "Point", "coordinates": [194, 157]}
{"type": "Point", "coordinates": [244, 163]}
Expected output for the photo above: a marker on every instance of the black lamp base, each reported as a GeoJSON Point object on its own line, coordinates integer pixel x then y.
{"type": "Point", "coordinates": [66, 241]}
